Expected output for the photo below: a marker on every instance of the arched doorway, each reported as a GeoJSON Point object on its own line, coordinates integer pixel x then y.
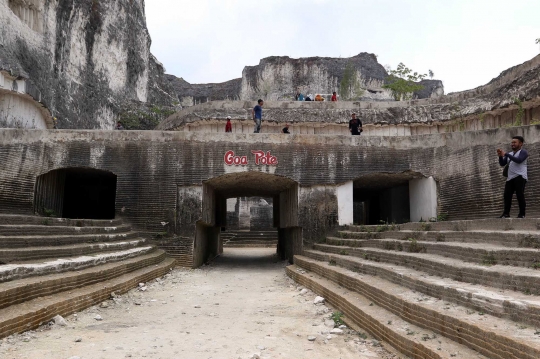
{"type": "Point", "coordinates": [212, 199]}
{"type": "Point", "coordinates": [76, 192]}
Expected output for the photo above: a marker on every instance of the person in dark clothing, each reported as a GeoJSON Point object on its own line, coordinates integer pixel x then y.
{"type": "Point", "coordinates": [228, 125]}
{"type": "Point", "coordinates": [517, 175]}
{"type": "Point", "coordinates": [119, 126]}
{"type": "Point", "coordinates": [355, 125]}
{"type": "Point", "coordinates": [257, 116]}
{"type": "Point", "coordinates": [285, 129]}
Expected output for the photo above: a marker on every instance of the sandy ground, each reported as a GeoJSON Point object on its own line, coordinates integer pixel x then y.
{"type": "Point", "coordinates": [241, 306]}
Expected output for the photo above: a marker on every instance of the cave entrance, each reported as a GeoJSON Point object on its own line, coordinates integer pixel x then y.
{"type": "Point", "coordinates": [84, 193]}
{"type": "Point", "coordinates": [270, 200]}
{"type": "Point", "coordinates": [393, 198]}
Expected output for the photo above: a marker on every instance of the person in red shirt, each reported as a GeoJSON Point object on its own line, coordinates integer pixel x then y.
{"type": "Point", "coordinates": [228, 126]}
{"type": "Point", "coordinates": [334, 96]}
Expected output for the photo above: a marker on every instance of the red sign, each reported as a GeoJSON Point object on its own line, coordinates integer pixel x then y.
{"type": "Point", "coordinates": [260, 157]}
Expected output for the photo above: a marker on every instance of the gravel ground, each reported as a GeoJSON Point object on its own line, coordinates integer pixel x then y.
{"type": "Point", "coordinates": [241, 306]}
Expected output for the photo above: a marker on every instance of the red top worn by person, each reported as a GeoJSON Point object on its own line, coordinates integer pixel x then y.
{"type": "Point", "coordinates": [334, 97]}
{"type": "Point", "coordinates": [228, 126]}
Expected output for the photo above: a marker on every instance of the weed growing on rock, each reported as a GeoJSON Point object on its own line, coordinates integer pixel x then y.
{"type": "Point", "coordinates": [332, 262]}
{"type": "Point", "coordinates": [529, 241]}
{"type": "Point", "coordinates": [489, 259]}
{"type": "Point", "coordinates": [426, 227]}
{"type": "Point", "coordinates": [414, 247]}
{"type": "Point", "coordinates": [343, 252]}
{"type": "Point", "coordinates": [389, 246]}
{"type": "Point", "coordinates": [440, 238]}
{"type": "Point", "coordinates": [337, 317]}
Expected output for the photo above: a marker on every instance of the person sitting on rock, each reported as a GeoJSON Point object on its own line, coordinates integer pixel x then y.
{"type": "Point", "coordinates": [119, 126]}
{"type": "Point", "coordinates": [309, 97]}
{"type": "Point", "coordinates": [285, 129]}
{"type": "Point", "coordinates": [334, 97]}
{"type": "Point", "coordinates": [319, 98]}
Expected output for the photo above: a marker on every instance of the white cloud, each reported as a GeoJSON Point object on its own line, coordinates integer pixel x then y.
{"type": "Point", "coordinates": [465, 43]}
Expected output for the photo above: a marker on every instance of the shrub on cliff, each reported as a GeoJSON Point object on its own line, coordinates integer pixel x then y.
{"type": "Point", "coordinates": [402, 82]}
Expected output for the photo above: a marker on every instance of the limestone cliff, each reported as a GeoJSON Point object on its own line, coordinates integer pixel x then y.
{"type": "Point", "coordinates": [278, 78]}
{"type": "Point", "coordinates": [89, 59]}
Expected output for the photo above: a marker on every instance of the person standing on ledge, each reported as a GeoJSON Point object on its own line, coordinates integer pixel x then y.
{"type": "Point", "coordinates": [517, 175]}
{"type": "Point", "coordinates": [334, 97]}
{"type": "Point", "coordinates": [228, 126]}
{"type": "Point", "coordinates": [257, 115]}
{"type": "Point", "coordinates": [355, 125]}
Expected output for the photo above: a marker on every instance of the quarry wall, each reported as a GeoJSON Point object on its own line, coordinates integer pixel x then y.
{"type": "Point", "coordinates": [88, 59]}
{"type": "Point", "coordinates": [151, 166]}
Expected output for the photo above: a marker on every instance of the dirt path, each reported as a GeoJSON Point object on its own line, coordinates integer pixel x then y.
{"type": "Point", "coordinates": [243, 304]}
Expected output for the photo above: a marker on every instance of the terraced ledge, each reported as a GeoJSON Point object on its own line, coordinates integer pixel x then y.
{"type": "Point", "coordinates": [511, 305]}
{"type": "Point", "coordinates": [31, 253]}
{"type": "Point", "coordinates": [14, 219]}
{"type": "Point", "coordinates": [405, 337]}
{"type": "Point", "coordinates": [516, 238]}
{"type": "Point", "coordinates": [51, 240]}
{"type": "Point", "coordinates": [504, 277]}
{"type": "Point", "coordinates": [17, 271]}
{"type": "Point", "coordinates": [32, 229]}
{"type": "Point", "coordinates": [490, 336]}
{"type": "Point", "coordinates": [482, 253]}
{"type": "Point", "coordinates": [30, 315]}
{"type": "Point", "coordinates": [19, 291]}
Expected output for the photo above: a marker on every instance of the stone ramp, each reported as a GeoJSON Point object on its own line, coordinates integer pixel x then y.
{"type": "Point", "coordinates": [261, 239]}
{"type": "Point", "coordinates": [51, 266]}
{"type": "Point", "coordinates": [473, 288]}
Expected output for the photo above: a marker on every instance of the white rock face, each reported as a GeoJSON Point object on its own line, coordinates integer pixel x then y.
{"type": "Point", "coordinates": [86, 62]}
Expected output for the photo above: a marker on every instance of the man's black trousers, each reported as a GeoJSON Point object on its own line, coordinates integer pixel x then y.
{"type": "Point", "coordinates": [517, 185]}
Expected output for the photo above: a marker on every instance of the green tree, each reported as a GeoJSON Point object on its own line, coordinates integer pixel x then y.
{"type": "Point", "coordinates": [350, 87]}
{"type": "Point", "coordinates": [537, 41]}
{"type": "Point", "coordinates": [431, 74]}
{"type": "Point", "coordinates": [403, 82]}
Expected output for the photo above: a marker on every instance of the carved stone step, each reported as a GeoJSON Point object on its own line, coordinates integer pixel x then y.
{"type": "Point", "coordinates": [29, 315]}
{"type": "Point", "coordinates": [491, 336]}
{"type": "Point", "coordinates": [384, 325]}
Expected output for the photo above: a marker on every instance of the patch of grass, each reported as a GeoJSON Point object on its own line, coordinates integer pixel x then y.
{"type": "Point", "coordinates": [337, 317]}
{"type": "Point", "coordinates": [414, 247]}
{"type": "Point", "coordinates": [535, 266]}
{"type": "Point", "coordinates": [489, 259]}
{"type": "Point", "coordinates": [426, 227]}
{"type": "Point", "coordinates": [440, 238]}
{"type": "Point", "coordinates": [442, 217]}
{"type": "Point", "coordinates": [529, 241]}
{"type": "Point", "coordinates": [46, 222]}
{"type": "Point", "coordinates": [362, 335]}
{"type": "Point", "coordinates": [49, 212]}
{"type": "Point", "coordinates": [389, 246]}
{"type": "Point", "coordinates": [343, 252]}
{"type": "Point", "coordinates": [332, 262]}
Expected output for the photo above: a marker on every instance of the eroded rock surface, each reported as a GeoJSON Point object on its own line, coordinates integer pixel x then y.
{"type": "Point", "coordinates": [88, 59]}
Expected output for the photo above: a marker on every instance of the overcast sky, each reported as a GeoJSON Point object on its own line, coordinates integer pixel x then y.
{"type": "Point", "coordinates": [465, 42]}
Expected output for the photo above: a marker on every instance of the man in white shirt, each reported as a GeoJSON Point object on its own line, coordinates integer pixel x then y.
{"type": "Point", "coordinates": [517, 175]}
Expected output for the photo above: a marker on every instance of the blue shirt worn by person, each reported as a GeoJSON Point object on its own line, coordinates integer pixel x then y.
{"type": "Point", "coordinates": [258, 112]}
{"type": "Point", "coordinates": [518, 164]}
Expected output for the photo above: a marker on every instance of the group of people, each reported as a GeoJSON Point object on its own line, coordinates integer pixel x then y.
{"type": "Point", "coordinates": [257, 118]}
{"type": "Point", "coordinates": [300, 97]}
{"type": "Point", "coordinates": [355, 125]}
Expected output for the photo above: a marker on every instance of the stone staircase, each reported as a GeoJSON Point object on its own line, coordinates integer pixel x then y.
{"type": "Point", "coordinates": [463, 289]}
{"type": "Point", "coordinates": [261, 239]}
{"type": "Point", "coordinates": [52, 266]}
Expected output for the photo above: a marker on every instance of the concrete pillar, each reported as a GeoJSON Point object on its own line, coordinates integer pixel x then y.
{"type": "Point", "coordinates": [423, 199]}
{"type": "Point", "coordinates": [344, 194]}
